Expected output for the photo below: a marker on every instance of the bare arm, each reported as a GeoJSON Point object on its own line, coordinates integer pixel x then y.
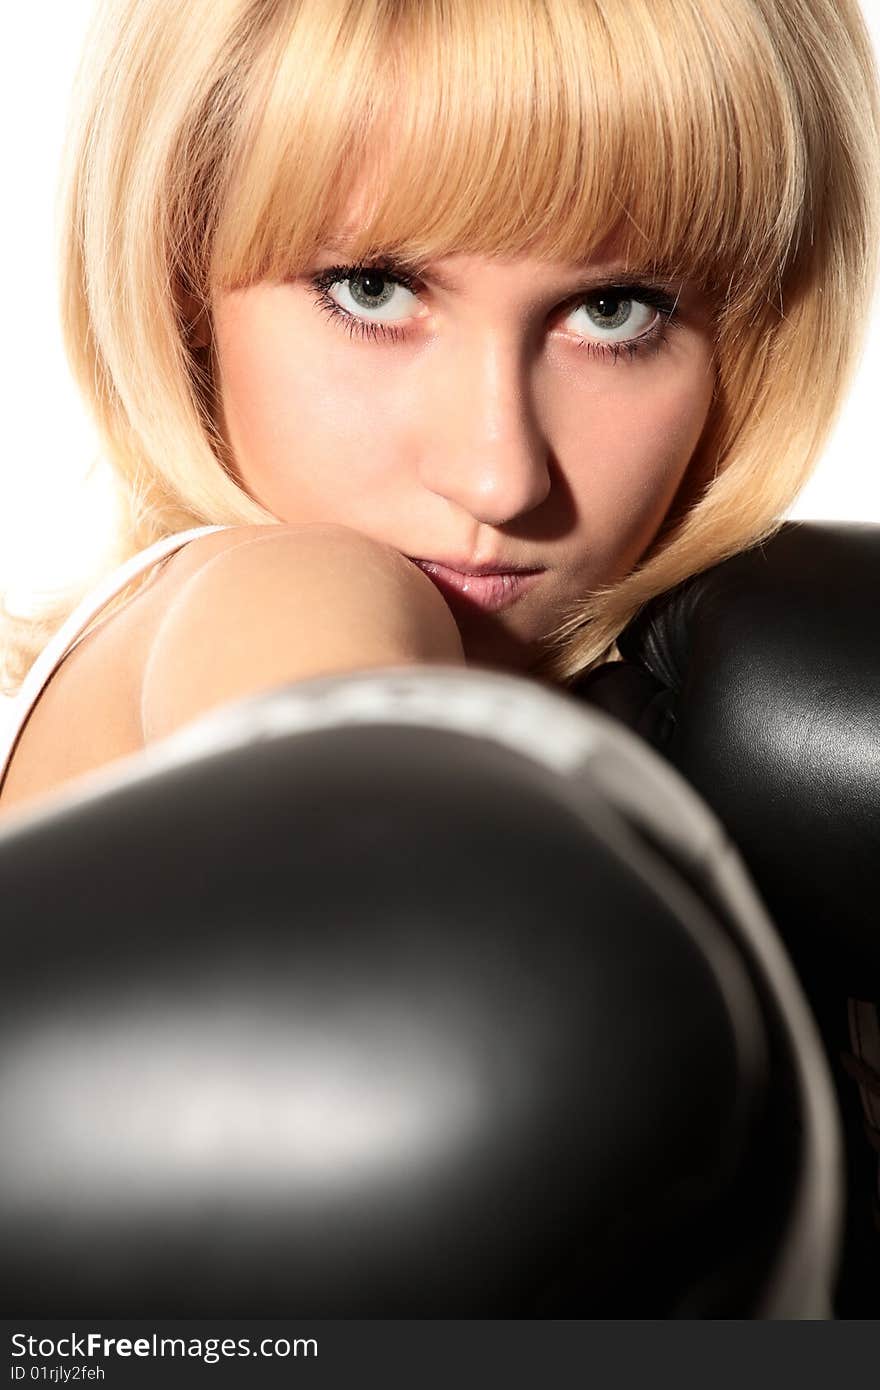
{"type": "Point", "coordinates": [295, 602]}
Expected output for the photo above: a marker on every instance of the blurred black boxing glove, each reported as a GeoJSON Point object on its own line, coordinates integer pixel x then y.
{"type": "Point", "coordinates": [409, 993]}
{"type": "Point", "coordinates": [759, 680]}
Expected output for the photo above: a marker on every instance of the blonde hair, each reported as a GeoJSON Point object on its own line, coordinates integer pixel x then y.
{"type": "Point", "coordinates": [215, 143]}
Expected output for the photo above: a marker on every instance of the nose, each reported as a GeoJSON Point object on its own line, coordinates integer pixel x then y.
{"type": "Point", "coordinates": [484, 450]}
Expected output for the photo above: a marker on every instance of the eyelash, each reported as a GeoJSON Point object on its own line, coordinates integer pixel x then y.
{"type": "Point", "coordinates": [646, 344]}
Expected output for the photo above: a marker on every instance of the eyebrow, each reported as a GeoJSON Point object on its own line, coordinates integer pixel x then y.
{"type": "Point", "coordinates": [589, 279]}
{"type": "Point", "coordinates": [339, 245]}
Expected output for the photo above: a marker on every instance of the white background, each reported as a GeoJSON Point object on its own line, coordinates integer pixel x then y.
{"type": "Point", "coordinates": [48, 514]}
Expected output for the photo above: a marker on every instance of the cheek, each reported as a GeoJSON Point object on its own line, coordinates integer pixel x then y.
{"type": "Point", "coordinates": [296, 410]}
{"type": "Point", "coordinates": [630, 459]}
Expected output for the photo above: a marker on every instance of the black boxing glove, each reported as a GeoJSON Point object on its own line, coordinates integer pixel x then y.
{"type": "Point", "coordinates": [759, 680]}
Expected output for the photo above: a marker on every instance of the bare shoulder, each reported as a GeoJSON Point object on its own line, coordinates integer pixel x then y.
{"type": "Point", "coordinates": [226, 614]}
{"type": "Point", "coordinates": [256, 607]}
{"type": "Point", "coordinates": [258, 570]}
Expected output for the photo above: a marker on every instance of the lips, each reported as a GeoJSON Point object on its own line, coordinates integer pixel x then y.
{"type": "Point", "coordinates": [487, 592]}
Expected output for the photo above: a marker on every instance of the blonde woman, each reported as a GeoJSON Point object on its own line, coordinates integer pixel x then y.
{"type": "Point", "coordinates": [430, 332]}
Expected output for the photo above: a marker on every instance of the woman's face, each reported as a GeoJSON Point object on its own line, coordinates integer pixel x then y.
{"type": "Point", "coordinates": [511, 413]}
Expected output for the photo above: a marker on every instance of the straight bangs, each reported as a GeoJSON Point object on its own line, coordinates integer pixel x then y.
{"type": "Point", "coordinates": [503, 128]}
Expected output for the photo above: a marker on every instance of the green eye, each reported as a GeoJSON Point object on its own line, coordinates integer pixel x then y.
{"type": "Point", "coordinates": [372, 289]}
{"type": "Point", "coordinates": [616, 319]}
{"type": "Point", "coordinates": [355, 290]}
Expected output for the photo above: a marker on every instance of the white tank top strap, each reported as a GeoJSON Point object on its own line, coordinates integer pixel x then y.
{"type": "Point", "coordinates": [74, 628]}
